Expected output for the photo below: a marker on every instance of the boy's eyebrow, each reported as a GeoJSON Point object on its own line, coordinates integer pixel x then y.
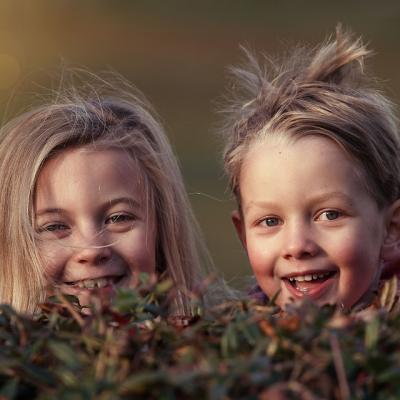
{"type": "Point", "coordinates": [319, 198]}
{"type": "Point", "coordinates": [259, 203]}
{"type": "Point", "coordinates": [107, 204]}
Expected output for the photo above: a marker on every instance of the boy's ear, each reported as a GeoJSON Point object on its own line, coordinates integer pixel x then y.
{"type": "Point", "coordinates": [239, 226]}
{"type": "Point", "coordinates": [391, 245]}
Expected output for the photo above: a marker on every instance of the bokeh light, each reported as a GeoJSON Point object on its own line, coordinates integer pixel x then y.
{"type": "Point", "coordinates": [10, 71]}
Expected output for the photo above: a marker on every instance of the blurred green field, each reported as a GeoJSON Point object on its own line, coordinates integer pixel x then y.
{"type": "Point", "coordinates": [177, 52]}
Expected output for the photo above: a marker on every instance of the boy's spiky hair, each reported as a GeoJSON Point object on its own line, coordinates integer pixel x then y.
{"type": "Point", "coordinates": [319, 91]}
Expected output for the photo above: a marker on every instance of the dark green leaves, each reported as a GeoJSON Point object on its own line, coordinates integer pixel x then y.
{"type": "Point", "coordinates": [240, 350]}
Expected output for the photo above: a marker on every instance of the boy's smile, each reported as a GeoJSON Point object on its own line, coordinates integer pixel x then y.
{"type": "Point", "coordinates": [307, 222]}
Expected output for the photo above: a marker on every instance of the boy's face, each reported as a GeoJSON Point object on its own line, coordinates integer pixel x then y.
{"type": "Point", "coordinates": [308, 225]}
{"type": "Point", "coordinates": [92, 222]}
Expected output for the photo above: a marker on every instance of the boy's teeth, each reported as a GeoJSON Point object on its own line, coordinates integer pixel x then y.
{"type": "Point", "coordinates": [309, 277]}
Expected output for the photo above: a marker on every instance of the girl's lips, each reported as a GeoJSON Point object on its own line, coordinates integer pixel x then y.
{"type": "Point", "coordinates": [312, 290]}
{"type": "Point", "coordinates": [90, 284]}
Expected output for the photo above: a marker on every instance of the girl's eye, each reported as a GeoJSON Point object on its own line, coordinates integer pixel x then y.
{"type": "Point", "coordinates": [118, 218]}
{"type": "Point", "coordinates": [271, 221]}
{"type": "Point", "coordinates": [53, 228]}
{"type": "Point", "coordinates": [329, 215]}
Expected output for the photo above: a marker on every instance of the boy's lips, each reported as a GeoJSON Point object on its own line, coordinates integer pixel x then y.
{"type": "Point", "coordinates": [311, 284]}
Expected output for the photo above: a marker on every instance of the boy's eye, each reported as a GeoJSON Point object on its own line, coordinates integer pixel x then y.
{"type": "Point", "coordinates": [329, 215]}
{"type": "Point", "coordinates": [271, 221]}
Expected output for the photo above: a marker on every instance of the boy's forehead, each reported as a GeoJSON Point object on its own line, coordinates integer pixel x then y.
{"type": "Point", "coordinates": [281, 144]}
{"type": "Point", "coordinates": [312, 162]}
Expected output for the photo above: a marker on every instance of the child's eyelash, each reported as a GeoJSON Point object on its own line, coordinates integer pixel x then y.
{"type": "Point", "coordinates": [53, 227]}
{"type": "Point", "coordinates": [325, 215]}
{"type": "Point", "coordinates": [270, 221]}
{"type": "Point", "coordinates": [329, 215]}
{"type": "Point", "coordinates": [121, 217]}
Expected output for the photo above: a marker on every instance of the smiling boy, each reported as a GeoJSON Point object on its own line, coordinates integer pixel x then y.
{"type": "Point", "coordinates": [313, 160]}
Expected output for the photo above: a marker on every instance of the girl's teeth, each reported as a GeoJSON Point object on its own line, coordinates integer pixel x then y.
{"type": "Point", "coordinates": [102, 282]}
{"type": "Point", "coordinates": [93, 283]}
{"type": "Point", "coordinates": [89, 284]}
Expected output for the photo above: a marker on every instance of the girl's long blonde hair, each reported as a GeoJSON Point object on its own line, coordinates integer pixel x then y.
{"type": "Point", "coordinates": [95, 114]}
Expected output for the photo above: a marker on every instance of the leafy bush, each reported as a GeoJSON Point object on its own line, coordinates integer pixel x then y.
{"type": "Point", "coordinates": [239, 350]}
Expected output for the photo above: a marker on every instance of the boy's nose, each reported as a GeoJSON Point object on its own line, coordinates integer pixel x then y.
{"type": "Point", "coordinates": [299, 242]}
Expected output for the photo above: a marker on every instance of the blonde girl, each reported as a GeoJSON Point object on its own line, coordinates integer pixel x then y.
{"type": "Point", "coordinates": [312, 156]}
{"type": "Point", "coordinates": [91, 195]}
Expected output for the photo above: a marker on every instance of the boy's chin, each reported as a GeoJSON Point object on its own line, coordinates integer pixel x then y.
{"type": "Point", "coordinates": [328, 295]}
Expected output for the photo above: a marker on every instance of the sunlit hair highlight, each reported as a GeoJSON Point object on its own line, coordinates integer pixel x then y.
{"type": "Point", "coordinates": [95, 113]}
{"type": "Point", "coordinates": [320, 91]}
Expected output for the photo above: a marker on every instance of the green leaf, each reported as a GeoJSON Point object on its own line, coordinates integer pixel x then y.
{"type": "Point", "coordinates": [139, 382]}
{"type": "Point", "coordinates": [372, 333]}
{"type": "Point", "coordinates": [9, 390]}
{"type": "Point", "coordinates": [65, 353]}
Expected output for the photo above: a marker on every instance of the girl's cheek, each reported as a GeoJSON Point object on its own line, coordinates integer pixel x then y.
{"type": "Point", "coordinates": [52, 261]}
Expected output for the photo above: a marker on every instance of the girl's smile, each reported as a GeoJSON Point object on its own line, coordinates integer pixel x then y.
{"type": "Point", "coordinates": [309, 226]}
{"type": "Point", "coordinates": [93, 227]}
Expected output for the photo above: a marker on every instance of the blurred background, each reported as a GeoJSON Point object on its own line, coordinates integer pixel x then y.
{"type": "Point", "coordinates": [177, 53]}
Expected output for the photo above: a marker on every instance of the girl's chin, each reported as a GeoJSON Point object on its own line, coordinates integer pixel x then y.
{"type": "Point", "coordinates": [85, 295]}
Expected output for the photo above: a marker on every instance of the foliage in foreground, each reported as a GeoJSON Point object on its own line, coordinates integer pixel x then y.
{"type": "Point", "coordinates": [242, 350]}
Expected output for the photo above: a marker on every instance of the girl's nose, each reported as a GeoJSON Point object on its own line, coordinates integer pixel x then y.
{"type": "Point", "coordinates": [93, 252]}
{"type": "Point", "coordinates": [299, 242]}
{"type": "Point", "coordinates": [93, 255]}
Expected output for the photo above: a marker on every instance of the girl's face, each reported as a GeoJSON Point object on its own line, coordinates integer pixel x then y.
{"type": "Point", "coordinates": [93, 225]}
{"type": "Point", "coordinates": [308, 225]}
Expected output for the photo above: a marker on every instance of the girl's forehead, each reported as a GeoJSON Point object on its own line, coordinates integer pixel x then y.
{"type": "Point", "coordinates": [84, 168]}
{"type": "Point", "coordinates": [92, 157]}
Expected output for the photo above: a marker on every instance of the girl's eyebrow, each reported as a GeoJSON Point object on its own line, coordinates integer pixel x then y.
{"type": "Point", "coordinates": [108, 204]}
{"type": "Point", "coordinates": [127, 200]}
{"type": "Point", "coordinates": [49, 211]}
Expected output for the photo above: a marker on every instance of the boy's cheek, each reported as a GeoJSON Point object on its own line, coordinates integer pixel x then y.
{"type": "Point", "coordinates": [260, 264]}
{"type": "Point", "coordinates": [356, 283]}
{"type": "Point", "coordinates": [269, 286]}
{"type": "Point", "coordinates": [264, 273]}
